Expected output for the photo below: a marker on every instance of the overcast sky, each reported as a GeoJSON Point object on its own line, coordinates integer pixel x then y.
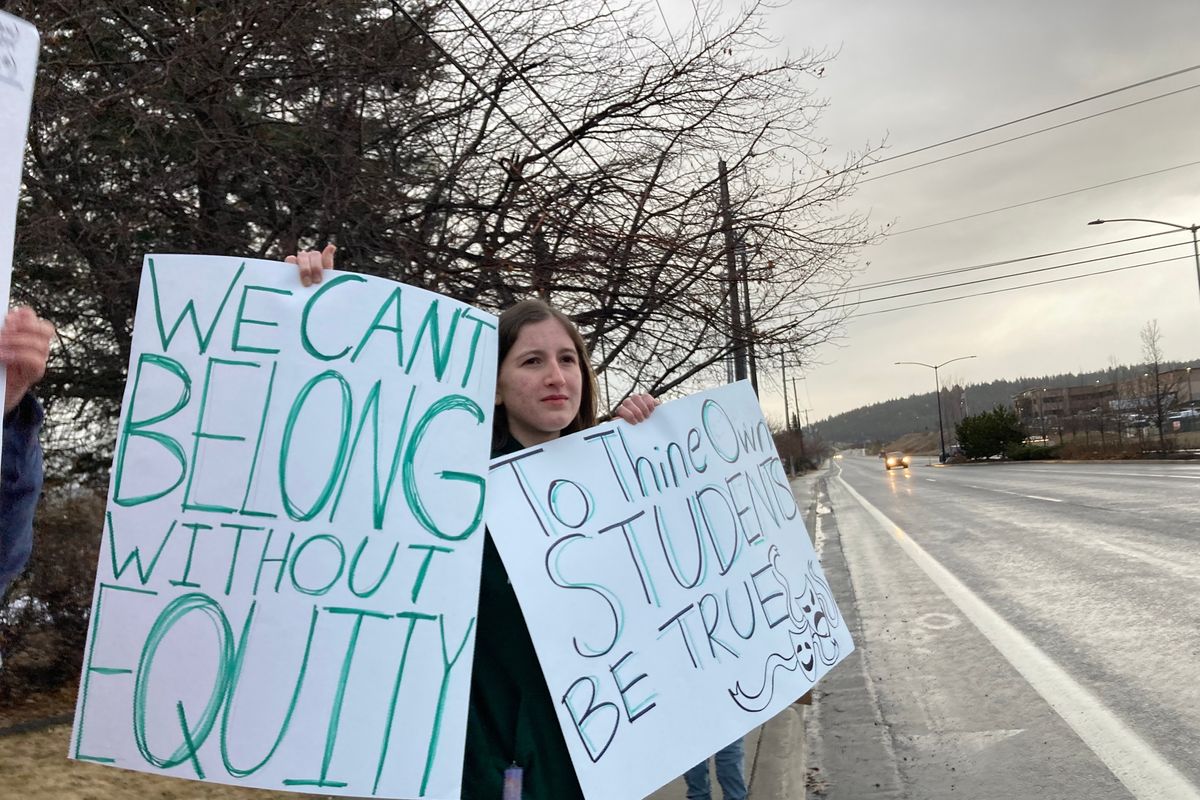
{"type": "Point", "coordinates": [918, 72]}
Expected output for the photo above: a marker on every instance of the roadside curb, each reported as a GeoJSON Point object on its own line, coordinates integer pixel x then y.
{"type": "Point", "coordinates": [779, 760]}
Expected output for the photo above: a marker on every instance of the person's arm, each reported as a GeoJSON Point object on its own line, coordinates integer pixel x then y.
{"type": "Point", "coordinates": [20, 486]}
{"type": "Point", "coordinates": [24, 347]}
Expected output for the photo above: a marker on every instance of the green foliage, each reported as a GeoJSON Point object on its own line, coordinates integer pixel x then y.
{"type": "Point", "coordinates": [1031, 452]}
{"type": "Point", "coordinates": [990, 433]}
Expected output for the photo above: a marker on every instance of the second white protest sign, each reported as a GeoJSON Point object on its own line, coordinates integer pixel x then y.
{"type": "Point", "coordinates": [668, 583]}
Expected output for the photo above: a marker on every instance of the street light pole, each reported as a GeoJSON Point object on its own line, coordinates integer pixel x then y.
{"type": "Point", "coordinates": [937, 386]}
{"type": "Point", "coordinates": [1176, 226]}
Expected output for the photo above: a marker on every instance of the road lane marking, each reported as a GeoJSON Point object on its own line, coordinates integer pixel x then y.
{"type": "Point", "coordinates": [1152, 475]}
{"type": "Point", "coordinates": [1107, 474]}
{"type": "Point", "coordinates": [1030, 496]}
{"type": "Point", "coordinates": [1145, 773]}
{"type": "Point", "coordinates": [1162, 563]}
{"type": "Point", "coordinates": [1014, 494]}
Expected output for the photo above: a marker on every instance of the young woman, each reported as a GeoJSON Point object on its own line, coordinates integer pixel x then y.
{"type": "Point", "coordinates": [545, 387]}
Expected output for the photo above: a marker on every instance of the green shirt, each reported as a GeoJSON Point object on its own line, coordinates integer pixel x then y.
{"type": "Point", "coordinates": [511, 718]}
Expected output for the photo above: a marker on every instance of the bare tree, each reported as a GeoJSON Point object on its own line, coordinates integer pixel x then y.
{"type": "Point", "coordinates": [1159, 390]}
{"type": "Point", "coordinates": [558, 148]}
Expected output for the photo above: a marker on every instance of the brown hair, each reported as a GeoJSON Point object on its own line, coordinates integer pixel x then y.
{"type": "Point", "coordinates": [512, 321]}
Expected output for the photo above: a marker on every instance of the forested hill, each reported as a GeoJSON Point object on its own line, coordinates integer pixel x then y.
{"type": "Point", "coordinates": [891, 419]}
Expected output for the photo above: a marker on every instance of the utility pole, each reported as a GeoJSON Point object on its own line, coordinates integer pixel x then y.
{"type": "Point", "coordinates": [796, 398]}
{"type": "Point", "coordinates": [787, 419]}
{"type": "Point", "coordinates": [735, 306]}
{"type": "Point", "coordinates": [787, 416]}
{"type": "Point", "coordinates": [748, 325]}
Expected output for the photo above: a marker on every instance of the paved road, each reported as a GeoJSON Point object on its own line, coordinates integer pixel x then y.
{"type": "Point", "coordinates": [1025, 630]}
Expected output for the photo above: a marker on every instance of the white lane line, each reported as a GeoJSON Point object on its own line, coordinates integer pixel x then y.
{"type": "Point", "coordinates": [1030, 496]}
{"type": "Point", "coordinates": [1145, 773]}
{"type": "Point", "coordinates": [1145, 475]}
{"type": "Point", "coordinates": [932, 480]}
{"type": "Point", "coordinates": [1106, 474]}
{"type": "Point", "coordinates": [1014, 494]}
{"type": "Point", "coordinates": [1156, 561]}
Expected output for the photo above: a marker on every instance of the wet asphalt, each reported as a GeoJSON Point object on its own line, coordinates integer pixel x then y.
{"type": "Point", "coordinates": [1024, 631]}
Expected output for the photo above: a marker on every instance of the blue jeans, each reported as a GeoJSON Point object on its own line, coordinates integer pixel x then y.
{"type": "Point", "coordinates": [20, 486]}
{"type": "Point", "coordinates": [731, 774]}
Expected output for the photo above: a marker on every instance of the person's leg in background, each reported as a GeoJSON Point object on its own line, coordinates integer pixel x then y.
{"type": "Point", "coordinates": [698, 785]}
{"type": "Point", "coordinates": [731, 770]}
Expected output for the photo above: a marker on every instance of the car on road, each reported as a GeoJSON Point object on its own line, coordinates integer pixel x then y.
{"type": "Point", "coordinates": [896, 459]}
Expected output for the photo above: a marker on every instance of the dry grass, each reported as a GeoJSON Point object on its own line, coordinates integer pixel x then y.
{"type": "Point", "coordinates": [925, 443]}
{"type": "Point", "coordinates": [34, 766]}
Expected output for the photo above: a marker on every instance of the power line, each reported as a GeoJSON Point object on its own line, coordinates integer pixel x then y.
{"type": "Point", "coordinates": [1027, 135]}
{"type": "Point", "coordinates": [1042, 199]}
{"type": "Point", "coordinates": [1038, 114]}
{"type": "Point", "coordinates": [486, 95]}
{"type": "Point", "coordinates": [624, 35]}
{"type": "Point", "coordinates": [699, 23]}
{"type": "Point", "coordinates": [1022, 286]}
{"type": "Point", "coordinates": [1018, 274]}
{"type": "Point", "coordinates": [479, 87]}
{"type": "Point", "coordinates": [572, 135]}
{"type": "Point", "coordinates": [863, 287]}
{"type": "Point", "coordinates": [667, 25]}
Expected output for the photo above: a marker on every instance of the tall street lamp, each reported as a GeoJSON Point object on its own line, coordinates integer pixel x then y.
{"type": "Point", "coordinates": [1176, 226]}
{"type": "Point", "coordinates": [937, 386]}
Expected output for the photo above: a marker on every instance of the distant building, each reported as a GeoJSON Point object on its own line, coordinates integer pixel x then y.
{"type": "Point", "coordinates": [1043, 409]}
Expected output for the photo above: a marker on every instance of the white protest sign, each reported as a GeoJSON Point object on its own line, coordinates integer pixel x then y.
{"type": "Point", "coordinates": [671, 590]}
{"type": "Point", "coordinates": [288, 576]}
{"type": "Point", "coordinates": [18, 65]}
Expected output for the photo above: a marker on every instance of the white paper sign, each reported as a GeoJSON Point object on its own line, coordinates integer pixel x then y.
{"type": "Point", "coordinates": [671, 590]}
{"type": "Point", "coordinates": [288, 577]}
{"type": "Point", "coordinates": [18, 65]}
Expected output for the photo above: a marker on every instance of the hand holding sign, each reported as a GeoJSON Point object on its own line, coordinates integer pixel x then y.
{"type": "Point", "coordinates": [24, 347]}
{"type": "Point", "coordinates": [312, 264]}
{"type": "Point", "coordinates": [636, 408]}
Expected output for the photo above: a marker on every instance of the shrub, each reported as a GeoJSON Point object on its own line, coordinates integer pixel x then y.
{"type": "Point", "coordinates": [989, 434]}
{"type": "Point", "coordinates": [44, 619]}
{"type": "Point", "coordinates": [1031, 452]}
